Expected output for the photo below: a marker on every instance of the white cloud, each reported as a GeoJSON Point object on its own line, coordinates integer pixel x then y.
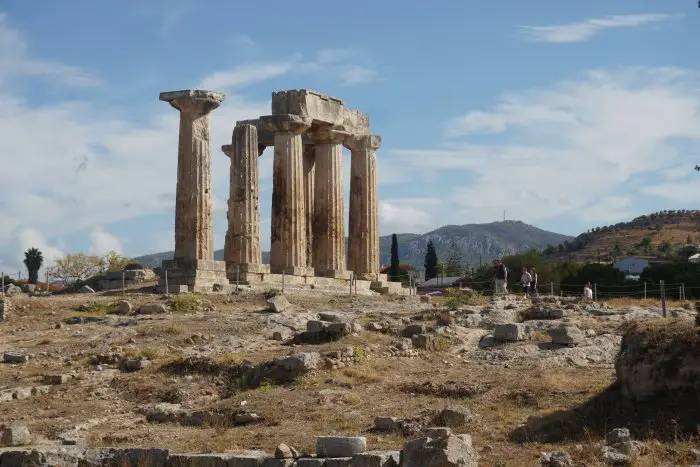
{"type": "Point", "coordinates": [610, 209]}
{"type": "Point", "coordinates": [584, 30]}
{"type": "Point", "coordinates": [405, 215]}
{"type": "Point", "coordinates": [571, 145]}
{"type": "Point", "coordinates": [245, 74]}
{"type": "Point", "coordinates": [677, 192]}
{"type": "Point", "coordinates": [103, 242]}
{"type": "Point", "coordinates": [15, 61]}
{"type": "Point", "coordinates": [356, 74]}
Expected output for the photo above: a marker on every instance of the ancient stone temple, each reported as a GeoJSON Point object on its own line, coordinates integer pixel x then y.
{"type": "Point", "coordinates": [308, 131]}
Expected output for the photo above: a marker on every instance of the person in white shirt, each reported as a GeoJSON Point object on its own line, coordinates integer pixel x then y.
{"type": "Point", "coordinates": [525, 280]}
{"type": "Point", "coordinates": [588, 292]}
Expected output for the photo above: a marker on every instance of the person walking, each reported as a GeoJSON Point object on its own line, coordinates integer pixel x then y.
{"type": "Point", "coordinates": [588, 292]}
{"type": "Point", "coordinates": [533, 283]}
{"type": "Point", "coordinates": [525, 279]}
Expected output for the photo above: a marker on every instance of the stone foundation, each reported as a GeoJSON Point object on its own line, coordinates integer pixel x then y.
{"type": "Point", "coordinates": [201, 276]}
{"type": "Point", "coordinates": [131, 278]}
{"type": "Point", "coordinates": [5, 308]}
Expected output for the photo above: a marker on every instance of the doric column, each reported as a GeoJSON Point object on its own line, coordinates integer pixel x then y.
{"type": "Point", "coordinates": [194, 237]}
{"type": "Point", "coordinates": [309, 171]}
{"type": "Point", "coordinates": [242, 251]}
{"type": "Point", "coordinates": [363, 247]}
{"type": "Point", "coordinates": [288, 234]}
{"type": "Point", "coordinates": [329, 218]}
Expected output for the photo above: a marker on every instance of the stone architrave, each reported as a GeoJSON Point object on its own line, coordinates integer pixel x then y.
{"type": "Point", "coordinates": [363, 238]}
{"type": "Point", "coordinates": [288, 218]}
{"type": "Point", "coordinates": [329, 218]}
{"type": "Point", "coordinates": [309, 171]}
{"type": "Point", "coordinates": [193, 263]}
{"type": "Point", "coordinates": [242, 250]}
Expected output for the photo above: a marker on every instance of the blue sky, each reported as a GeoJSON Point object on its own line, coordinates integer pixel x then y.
{"type": "Point", "coordinates": [566, 114]}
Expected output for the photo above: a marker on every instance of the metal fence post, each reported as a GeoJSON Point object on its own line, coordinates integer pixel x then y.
{"type": "Point", "coordinates": [167, 289]}
{"type": "Point", "coordinates": [2, 290]}
{"type": "Point", "coordinates": [551, 289]}
{"type": "Point", "coordinates": [645, 290]}
{"type": "Point", "coordinates": [123, 284]}
{"type": "Point", "coordinates": [663, 298]}
{"type": "Point", "coordinates": [595, 291]}
{"type": "Point", "coordinates": [238, 275]}
{"type": "Point", "coordinates": [283, 274]}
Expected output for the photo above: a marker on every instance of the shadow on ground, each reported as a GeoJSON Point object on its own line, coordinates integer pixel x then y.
{"type": "Point", "coordinates": [666, 416]}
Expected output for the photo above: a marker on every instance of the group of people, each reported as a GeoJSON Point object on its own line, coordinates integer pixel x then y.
{"type": "Point", "coordinates": [528, 279]}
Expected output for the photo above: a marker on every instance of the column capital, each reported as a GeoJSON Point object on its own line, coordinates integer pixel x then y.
{"type": "Point", "coordinates": [193, 100]}
{"type": "Point", "coordinates": [334, 134]}
{"type": "Point", "coordinates": [227, 149]}
{"type": "Point", "coordinates": [365, 142]}
{"type": "Point", "coordinates": [285, 123]}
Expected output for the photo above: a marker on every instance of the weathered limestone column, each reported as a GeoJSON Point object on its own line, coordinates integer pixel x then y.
{"type": "Point", "coordinates": [309, 171]}
{"type": "Point", "coordinates": [194, 263]}
{"type": "Point", "coordinates": [329, 217]}
{"type": "Point", "coordinates": [288, 234]}
{"type": "Point", "coordinates": [194, 237]}
{"type": "Point", "coordinates": [242, 250]}
{"type": "Point", "coordinates": [363, 247]}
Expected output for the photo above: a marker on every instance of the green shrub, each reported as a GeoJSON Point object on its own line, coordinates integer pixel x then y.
{"type": "Point", "coordinates": [185, 303]}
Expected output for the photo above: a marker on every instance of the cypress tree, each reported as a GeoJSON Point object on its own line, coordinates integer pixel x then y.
{"type": "Point", "coordinates": [394, 269]}
{"type": "Point", "coordinates": [431, 262]}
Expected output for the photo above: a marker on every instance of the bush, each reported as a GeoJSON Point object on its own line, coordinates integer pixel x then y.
{"type": "Point", "coordinates": [456, 297]}
{"type": "Point", "coordinates": [185, 303]}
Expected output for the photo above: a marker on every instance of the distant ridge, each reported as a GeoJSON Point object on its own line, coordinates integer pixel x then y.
{"type": "Point", "coordinates": [477, 242]}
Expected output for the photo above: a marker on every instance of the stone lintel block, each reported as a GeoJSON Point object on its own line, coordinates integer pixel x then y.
{"type": "Point", "coordinates": [209, 100]}
{"type": "Point", "coordinates": [293, 270]}
{"type": "Point", "coordinates": [335, 274]}
{"type": "Point", "coordinates": [309, 104]}
{"type": "Point", "coordinates": [329, 134]}
{"type": "Point", "coordinates": [285, 123]}
{"type": "Point", "coordinates": [172, 288]}
{"type": "Point", "coordinates": [191, 265]}
{"type": "Point", "coordinates": [246, 268]}
{"type": "Point", "coordinates": [363, 142]}
{"type": "Point", "coordinates": [356, 122]}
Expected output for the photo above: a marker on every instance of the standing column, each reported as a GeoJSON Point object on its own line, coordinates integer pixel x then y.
{"type": "Point", "coordinates": [288, 218]}
{"type": "Point", "coordinates": [242, 251]}
{"type": "Point", "coordinates": [329, 218]}
{"type": "Point", "coordinates": [194, 238]}
{"type": "Point", "coordinates": [363, 248]}
{"type": "Point", "coordinates": [309, 171]}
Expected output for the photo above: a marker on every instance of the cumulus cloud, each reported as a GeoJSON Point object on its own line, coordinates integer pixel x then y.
{"type": "Point", "coordinates": [103, 242]}
{"type": "Point", "coordinates": [32, 238]}
{"type": "Point", "coordinates": [583, 30]}
{"type": "Point", "coordinates": [405, 215]}
{"type": "Point", "coordinates": [570, 148]}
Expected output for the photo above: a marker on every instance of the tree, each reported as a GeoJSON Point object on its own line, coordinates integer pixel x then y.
{"type": "Point", "coordinates": [453, 263]}
{"type": "Point", "coordinates": [33, 259]}
{"type": "Point", "coordinates": [115, 262]}
{"type": "Point", "coordinates": [77, 267]}
{"type": "Point", "coordinates": [618, 249]}
{"type": "Point", "coordinates": [431, 261]}
{"type": "Point", "coordinates": [395, 268]}
{"type": "Point", "coordinates": [689, 240]}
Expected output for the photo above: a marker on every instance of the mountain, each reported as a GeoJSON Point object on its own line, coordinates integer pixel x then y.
{"type": "Point", "coordinates": [477, 242]}
{"type": "Point", "coordinates": [661, 234]}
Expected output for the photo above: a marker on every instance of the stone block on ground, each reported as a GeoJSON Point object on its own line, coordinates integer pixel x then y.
{"type": "Point", "coordinates": [123, 307]}
{"type": "Point", "coordinates": [57, 379]}
{"type": "Point", "coordinates": [453, 416]}
{"type": "Point", "coordinates": [376, 459]}
{"type": "Point", "coordinates": [15, 435]}
{"type": "Point", "coordinates": [15, 356]}
{"type": "Point", "coordinates": [135, 364]}
{"type": "Point", "coordinates": [567, 335]}
{"type": "Point", "coordinates": [556, 459]}
{"type": "Point", "coordinates": [512, 332]}
{"type": "Point", "coordinates": [387, 424]}
{"type": "Point", "coordinates": [340, 446]}
{"type": "Point", "coordinates": [413, 329]}
{"type": "Point", "coordinates": [278, 304]}
{"type": "Point", "coordinates": [450, 451]}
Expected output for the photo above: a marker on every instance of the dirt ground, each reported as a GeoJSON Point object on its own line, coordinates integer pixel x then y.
{"type": "Point", "coordinates": [105, 406]}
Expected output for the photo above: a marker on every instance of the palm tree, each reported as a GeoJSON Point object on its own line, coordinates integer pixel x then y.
{"type": "Point", "coordinates": [33, 259]}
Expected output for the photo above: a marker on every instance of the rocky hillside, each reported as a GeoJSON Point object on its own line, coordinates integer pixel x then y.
{"type": "Point", "coordinates": [661, 234]}
{"type": "Point", "coordinates": [477, 242]}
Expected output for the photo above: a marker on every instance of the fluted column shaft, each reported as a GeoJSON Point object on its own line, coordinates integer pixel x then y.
{"type": "Point", "coordinates": [242, 250]}
{"type": "Point", "coordinates": [288, 234]}
{"type": "Point", "coordinates": [194, 237]}
{"type": "Point", "coordinates": [363, 247]}
{"type": "Point", "coordinates": [329, 217]}
{"type": "Point", "coordinates": [309, 176]}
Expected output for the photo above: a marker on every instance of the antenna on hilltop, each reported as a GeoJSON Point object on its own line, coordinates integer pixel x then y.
{"type": "Point", "coordinates": [504, 215]}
